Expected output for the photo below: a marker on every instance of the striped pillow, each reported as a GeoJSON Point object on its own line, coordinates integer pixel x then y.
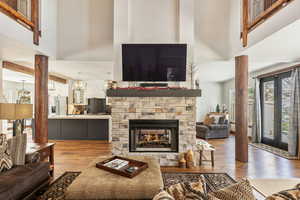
{"type": "Point", "coordinates": [238, 191]}
{"type": "Point", "coordinates": [291, 194]}
{"type": "Point", "coordinates": [187, 190]}
{"type": "Point", "coordinates": [163, 195]}
{"type": "Point", "coordinates": [5, 157]}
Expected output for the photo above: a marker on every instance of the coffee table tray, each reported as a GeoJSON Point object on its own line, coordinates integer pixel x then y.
{"type": "Point", "coordinates": [130, 163]}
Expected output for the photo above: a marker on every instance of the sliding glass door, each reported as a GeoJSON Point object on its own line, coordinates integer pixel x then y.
{"type": "Point", "coordinates": [275, 98]}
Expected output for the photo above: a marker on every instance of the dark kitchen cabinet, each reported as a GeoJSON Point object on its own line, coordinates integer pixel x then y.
{"type": "Point", "coordinates": [78, 129]}
{"type": "Point", "coordinates": [54, 131]}
{"type": "Point", "coordinates": [97, 129]}
{"type": "Point", "coordinates": [74, 129]}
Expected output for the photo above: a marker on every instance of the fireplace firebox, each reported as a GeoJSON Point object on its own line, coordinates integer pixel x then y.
{"type": "Point", "coordinates": [153, 135]}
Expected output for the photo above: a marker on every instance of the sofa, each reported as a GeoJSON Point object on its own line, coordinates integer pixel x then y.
{"type": "Point", "coordinates": [23, 182]}
{"type": "Point", "coordinates": [218, 128]}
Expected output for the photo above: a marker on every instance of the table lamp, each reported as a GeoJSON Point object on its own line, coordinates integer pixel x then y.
{"type": "Point", "coordinates": [16, 112]}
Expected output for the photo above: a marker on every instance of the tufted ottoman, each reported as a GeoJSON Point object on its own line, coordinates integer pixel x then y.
{"type": "Point", "coordinates": [95, 184]}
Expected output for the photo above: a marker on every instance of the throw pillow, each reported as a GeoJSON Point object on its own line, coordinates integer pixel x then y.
{"type": "Point", "coordinates": [286, 194]}
{"type": "Point", "coordinates": [163, 195]}
{"type": "Point", "coordinates": [238, 191]}
{"type": "Point", "coordinates": [188, 190]}
{"type": "Point", "coordinates": [221, 120]}
{"type": "Point", "coordinates": [208, 120]}
{"type": "Point", "coordinates": [5, 158]}
{"type": "Point", "coordinates": [216, 117]}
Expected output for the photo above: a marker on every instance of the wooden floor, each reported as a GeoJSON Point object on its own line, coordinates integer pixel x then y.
{"type": "Point", "coordinates": [76, 155]}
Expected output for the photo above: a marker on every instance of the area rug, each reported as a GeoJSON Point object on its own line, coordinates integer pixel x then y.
{"type": "Point", "coordinates": [57, 189]}
{"type": "Point", "coordinates": [274, 150]}
{"type": "Point", "coordinates": [214, 181]}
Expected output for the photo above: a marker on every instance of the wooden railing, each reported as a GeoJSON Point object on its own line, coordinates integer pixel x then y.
{"type": "Point", "coordinates": [30, 21]}
{"type": "Point", "coordinates": [256, 12]}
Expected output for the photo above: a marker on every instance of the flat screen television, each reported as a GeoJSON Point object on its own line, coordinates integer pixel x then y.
{"type": "Point", "coordinates": [154, 62]}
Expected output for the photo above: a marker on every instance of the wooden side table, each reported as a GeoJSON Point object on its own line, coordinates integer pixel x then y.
{"type": "Point", "coordinates": [46, 152]}
{"type": "Point", "coordinates": [202, 146]}
{"type": "Point", "coordinates": [212, 160]}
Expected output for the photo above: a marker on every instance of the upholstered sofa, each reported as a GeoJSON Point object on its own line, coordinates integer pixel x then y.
{"type": "Point", "coordinates": [213, 131]}
{"type": "Point", "coordinates": [22, 182]}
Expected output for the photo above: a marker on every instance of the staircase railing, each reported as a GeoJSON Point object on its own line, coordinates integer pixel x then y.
{"type": "Point", "coordinates": [256, 12]}
{"type": "Point", "coordinates": [25, 12]}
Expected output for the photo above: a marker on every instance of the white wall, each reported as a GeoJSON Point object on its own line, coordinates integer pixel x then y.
{"type": "Point", "coordinates": [85, 30]}
{"type": "Point", "coordinates": [212, 19]}
{"type": "Point", "coordinates": [153, 21]}
{"type": "Point", "coordinates": [211, 96]}
{"type": "Point", "coordinates": [48, 44]}
{"type": "Point", "coordinates": [60, 90]}
{"type": "Point", "coordinates": [96, 89]}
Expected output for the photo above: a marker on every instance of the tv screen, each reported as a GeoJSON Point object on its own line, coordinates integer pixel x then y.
{"type": "Point", "coordinates": [154, 62]}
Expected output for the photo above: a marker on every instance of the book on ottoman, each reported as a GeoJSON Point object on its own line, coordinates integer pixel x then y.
{"type": "Point", "coordinates": [122, 166]}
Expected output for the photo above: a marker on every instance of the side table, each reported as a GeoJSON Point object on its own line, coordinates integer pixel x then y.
{"type": "Point", "coordinates": [212, 160]}
{"type": "Point", "coordinates": [202, 146]}
{"type": "Point", "coordinates": [46, 152]}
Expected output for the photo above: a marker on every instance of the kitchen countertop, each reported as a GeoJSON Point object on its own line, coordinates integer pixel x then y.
{"type": "Point", "coordinates": [79, 117]}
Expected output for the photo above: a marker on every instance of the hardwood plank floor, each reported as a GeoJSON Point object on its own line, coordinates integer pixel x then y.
{"type": "Point", "coordinates": [76, 155]}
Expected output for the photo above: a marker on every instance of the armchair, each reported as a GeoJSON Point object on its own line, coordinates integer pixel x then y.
{"type": "Point", "coordinates": [213, 131]}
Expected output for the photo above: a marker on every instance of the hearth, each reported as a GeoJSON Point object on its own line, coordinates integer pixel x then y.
{"type": "Point", "coordinates": [153, 135]}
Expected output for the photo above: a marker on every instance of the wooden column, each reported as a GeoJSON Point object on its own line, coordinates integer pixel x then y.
{"type": "Point", "coordinates": [41, 99]}
{"type": "Point", "coordinates": [245, 22]}
{"type": "Point", "coordinates": [241, 107]}
{"type": "Point", "coordinates": [35, 15]}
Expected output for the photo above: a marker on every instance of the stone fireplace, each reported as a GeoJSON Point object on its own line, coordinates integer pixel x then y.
{"type": "Point", "coordinates": [153, 135]}
{"type": "Point", "coordinates": [157, 125]}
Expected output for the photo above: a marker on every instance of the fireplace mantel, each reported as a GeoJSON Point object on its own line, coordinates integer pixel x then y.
{"type": "Point", "coordinates": [153, 93]}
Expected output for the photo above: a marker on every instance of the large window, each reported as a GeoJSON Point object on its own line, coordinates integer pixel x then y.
{"type": "Point", "coordinates": [275, 104]}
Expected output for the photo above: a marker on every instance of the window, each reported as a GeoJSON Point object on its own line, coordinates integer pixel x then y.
{"type": "Point", "coordinates": [250, 105]}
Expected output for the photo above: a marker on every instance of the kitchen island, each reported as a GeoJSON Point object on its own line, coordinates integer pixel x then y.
{"type": "Point", "coordinates": [80, 127]}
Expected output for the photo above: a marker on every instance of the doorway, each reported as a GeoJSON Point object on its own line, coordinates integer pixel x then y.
{"type": "Point", "coordinates": [275, 105]}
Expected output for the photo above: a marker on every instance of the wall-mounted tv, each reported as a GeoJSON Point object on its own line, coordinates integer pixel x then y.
{"type": "Point", "coordinates": [154, 62]}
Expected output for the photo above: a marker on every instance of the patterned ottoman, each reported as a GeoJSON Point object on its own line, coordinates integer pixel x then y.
{"type": "Point", "coordinates": [95, 184]}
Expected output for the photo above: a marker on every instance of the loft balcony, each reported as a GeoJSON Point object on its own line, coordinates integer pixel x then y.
{"type": "Point", "coordinates": [26, 13]}
{"type": "Point", "coordinates": [256, 12]}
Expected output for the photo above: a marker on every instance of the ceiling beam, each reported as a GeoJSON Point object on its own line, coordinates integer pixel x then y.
{"type": "Point", "coordinates": [29, 71]}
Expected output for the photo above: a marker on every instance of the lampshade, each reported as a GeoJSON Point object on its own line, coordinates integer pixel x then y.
{"type": "Point", "coordinates": [11, 111]}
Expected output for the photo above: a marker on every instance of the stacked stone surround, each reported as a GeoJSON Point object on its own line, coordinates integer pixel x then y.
{"type": "Point", "coordinates": [130, 108]}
